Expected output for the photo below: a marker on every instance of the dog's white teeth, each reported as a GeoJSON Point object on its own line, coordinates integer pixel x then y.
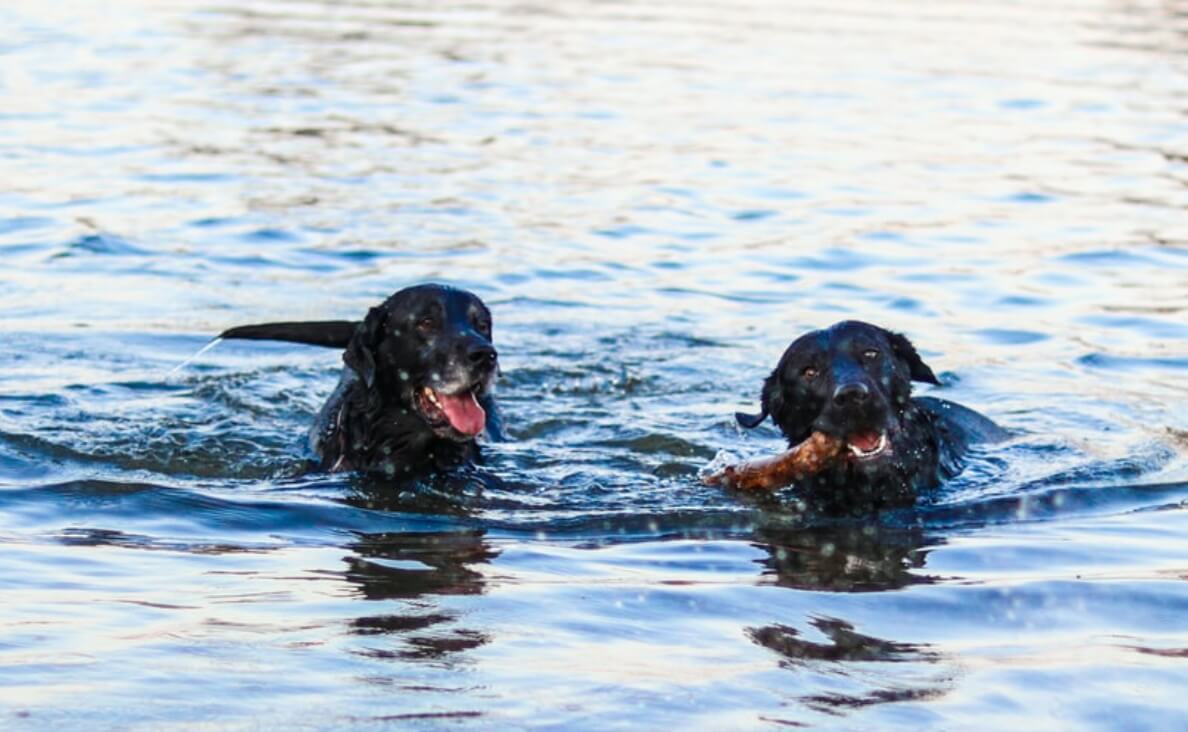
{"type": "Point", "coordinates": [432, 395]}
{"type": "Point", "coordinates": [859, 452]}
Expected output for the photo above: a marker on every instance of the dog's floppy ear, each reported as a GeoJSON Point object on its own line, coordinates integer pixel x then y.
{"type": "Point", "coordinates": [360, 352]}
{"type": "Point", "coordinates": [907, 353]}
{"type": "Point", "coordinates": [750, 421]}
{"type": "Point", "coordinates": [769, 403]}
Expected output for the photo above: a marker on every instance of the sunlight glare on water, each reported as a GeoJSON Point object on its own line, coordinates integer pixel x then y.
{"type": "Point", "coordinates": [653, 199]}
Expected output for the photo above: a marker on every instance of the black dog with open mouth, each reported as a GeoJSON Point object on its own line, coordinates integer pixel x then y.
{"type": "Point", "coordinates": [853, 382]}
{"type": "Point", "coordinates": [416, 389]}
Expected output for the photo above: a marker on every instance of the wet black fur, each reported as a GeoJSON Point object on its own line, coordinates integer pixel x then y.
{"type": "Point", "coordinates": [863, 382]}
{"type": "Point", "coordinates": [409, 341]}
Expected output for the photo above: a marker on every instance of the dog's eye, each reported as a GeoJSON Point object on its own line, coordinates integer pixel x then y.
{"type": "Point", "coordinates": [426, 325]}
{"type": "Point", "coordinates": [809, 373]}
{"type": "Point", "coordinates": [871, 354]}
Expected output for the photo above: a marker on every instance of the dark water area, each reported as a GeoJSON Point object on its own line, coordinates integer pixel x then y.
{"type": "Point", "coordinates": [653, 199]}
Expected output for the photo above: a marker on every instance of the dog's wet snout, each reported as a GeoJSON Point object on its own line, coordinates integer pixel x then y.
{"type": "Point", "coordinates": [481, 355]}
{"type": "Point", "coordinates": [852, 394]}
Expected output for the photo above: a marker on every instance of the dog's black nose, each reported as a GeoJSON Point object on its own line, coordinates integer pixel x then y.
{"type": "Point", "coordinates": [482, 355]}
{"type": "Point", "coordinates": [852, 394]}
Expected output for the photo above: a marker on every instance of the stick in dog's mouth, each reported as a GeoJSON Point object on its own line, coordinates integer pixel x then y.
{"type": "Point", "coordinates": [808, 458]}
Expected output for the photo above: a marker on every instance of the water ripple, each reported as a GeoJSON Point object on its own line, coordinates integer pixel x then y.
{"type": "Point", "coordinates": [654, 199]}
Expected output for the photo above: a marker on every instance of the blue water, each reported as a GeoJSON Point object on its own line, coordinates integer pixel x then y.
{"type": "Point", "coordinates": [654, 199]}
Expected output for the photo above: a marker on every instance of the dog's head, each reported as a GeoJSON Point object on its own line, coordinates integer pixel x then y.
{"type": "Point", "coordinates": [851, 381]}
{"type": "Point", "coordinates": [427, 351]}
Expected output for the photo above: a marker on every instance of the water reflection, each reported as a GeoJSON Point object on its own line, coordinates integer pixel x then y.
{"type": "Point", "coordinates": [867, 557]}
{"type": "Point", "coordinates": [98, 537]}
{"type": "Point", "coordinates": [413, 568]}
{"type": "Point", "coordinates": [845, 557]}
{"type": "Point", "coordinates": [389, 566]}
{"type": "Point", "coordinates": [843, 644]}
{"type": "Point", "coordinates": [848, 655]}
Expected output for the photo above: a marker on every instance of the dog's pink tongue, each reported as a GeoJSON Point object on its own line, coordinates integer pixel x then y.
{"type": "Point", "coordinates": [463, 411]}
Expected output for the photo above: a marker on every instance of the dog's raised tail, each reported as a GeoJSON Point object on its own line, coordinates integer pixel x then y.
{"type": "Point", "coordinates": [327, 333]}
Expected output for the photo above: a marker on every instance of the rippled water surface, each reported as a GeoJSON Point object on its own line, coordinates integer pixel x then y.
{"type": "Point", "coordinates": [654, 199]}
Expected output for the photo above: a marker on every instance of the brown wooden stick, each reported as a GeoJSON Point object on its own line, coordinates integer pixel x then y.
{"type": "Point", "coordinates": [808, 458]}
